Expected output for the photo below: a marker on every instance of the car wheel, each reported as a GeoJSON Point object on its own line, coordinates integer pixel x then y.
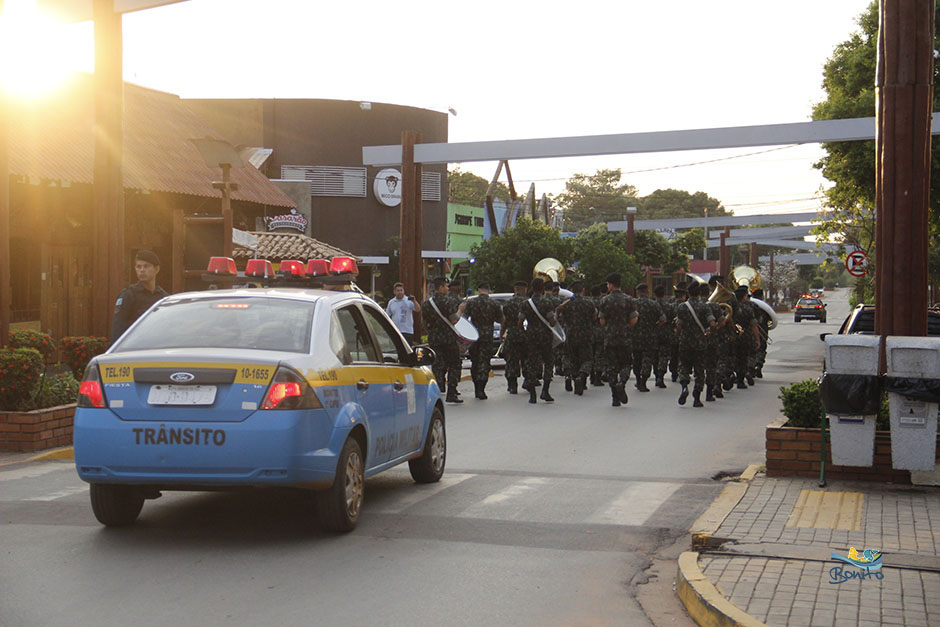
{"type": "Point", "coordinates": [822, 320]}
{"type": "Point", "coordinates": [797, 320]}
{"type": "Point", "coordinates": [429, 468]}
{"type": "Point", "coordinates": [116, 505]}
{"type": "Point", "coordinates": [338, 507]}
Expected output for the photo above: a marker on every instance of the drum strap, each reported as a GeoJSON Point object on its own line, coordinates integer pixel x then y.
{"type": "Point", "coordinates": [694, 317]}
{"type": "Point", "coordinates": [537, 313]}
{"type": "Point", "coordinates": [443, 317]}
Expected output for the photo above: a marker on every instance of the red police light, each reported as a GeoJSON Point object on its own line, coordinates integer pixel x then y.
{"type": "Point", "coordinates": [343, 265]}
{"type": "Point", "coordinates": [294, 267]}
{"type": "Point", "coordinates": [318, 267]}
{"type": "Point", "coordinates": [222, 265]}
{"type": "Point", "coordinates": [259, 268]}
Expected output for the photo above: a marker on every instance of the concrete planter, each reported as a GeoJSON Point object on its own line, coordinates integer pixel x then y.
{"type": "Point", "coordinates": [25, 431]}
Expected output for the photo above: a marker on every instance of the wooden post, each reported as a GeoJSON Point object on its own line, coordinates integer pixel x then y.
{"type": "Point", "coordinates": [411, 269]}
{"type": "Point", "coordinates": [6, 296]}
{"type": "Point", "coordinates": [904, 104]}
{"type": "Point", "coordinates": [227, 188]}
{"type": "Point", "coordinates": [631, 235]}
{"type": "Point", "coordinates": [752, 255]}
{"type": "Point", "coordinates": [110, 253]}
{"type": "Point", "coordinates": [724, 258]}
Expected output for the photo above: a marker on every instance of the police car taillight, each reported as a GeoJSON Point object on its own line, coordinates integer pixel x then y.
{"type": "Point", "coordinates": [318, 267]}
{"type": "Point", "coordinates": [222, 265]}
{"type": "Point", "coordinates": [90, 392]}
{"type": "Point", "coordinates": [289, 390]}
{"type": "Point", "coordinates": [343, 265]}
{"type": "Point", "coordinates": [294, 268]}
{"type": "Point", "coordinates": [259, 268]}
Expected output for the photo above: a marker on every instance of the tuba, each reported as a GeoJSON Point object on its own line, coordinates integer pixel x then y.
{"type": "Point", "coordinates": [747, 276]}
{"type": "Point", "coordinates": [549, 268]}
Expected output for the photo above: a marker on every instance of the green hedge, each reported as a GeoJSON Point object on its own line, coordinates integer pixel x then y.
{"type": "Point", "coordinates": [20, 371]}
{"type": "Point", "coordinates": [55, 390]}
{"type": "Point", "coordinates": [77, 351]}
{"type": "Point", "coordinates": [28, 338]}
{"type": "Point", "coordinates": [802, 406]}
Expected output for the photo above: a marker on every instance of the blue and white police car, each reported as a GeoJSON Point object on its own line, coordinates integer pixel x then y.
{"type": "Point", "coordinates": [284, 386]}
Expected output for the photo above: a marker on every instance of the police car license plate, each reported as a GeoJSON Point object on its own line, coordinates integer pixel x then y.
{"type": "Point", "coordinates": [181, 395]}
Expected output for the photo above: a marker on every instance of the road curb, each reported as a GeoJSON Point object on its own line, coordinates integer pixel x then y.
{"type": "Point", "coordinates": [704, 528]}
{"type": "Point", "coordinates": [705, 604]}
{"type": "Point", "coordinates": [65, 452]}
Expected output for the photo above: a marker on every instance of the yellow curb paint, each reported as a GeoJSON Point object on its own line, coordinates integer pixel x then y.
{"type": "Point", "coordinates": [750, 472]}
{"type": "Point", "coordinates": [821, 509]}
{"type": "Point", "coordinates": [66, 452]}
{"type": "Point", "coordinates": [705, 604]}
{"type": "Point", "coordinates": [708, 523]}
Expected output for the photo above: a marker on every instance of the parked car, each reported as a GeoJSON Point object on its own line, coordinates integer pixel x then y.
{"type": "Point", "coordinates": [862, 321]}
{"type": "Point", "coordinates": [809, 307]}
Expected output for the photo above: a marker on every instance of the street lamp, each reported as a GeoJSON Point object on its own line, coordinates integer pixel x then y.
{"type": "Point", "coordinates": [631, 239]}
{"type": "Point", "coordinates": [218, 153]}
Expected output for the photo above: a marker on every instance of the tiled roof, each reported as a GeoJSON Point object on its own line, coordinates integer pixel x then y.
{"type": "Point", "coordinates": [53, 139]}
{"type": "Point", "coordinates": [277, 247]}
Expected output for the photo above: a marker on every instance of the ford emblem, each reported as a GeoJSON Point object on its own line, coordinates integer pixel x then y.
{"type": "Point", "coordinates": [182, 377]}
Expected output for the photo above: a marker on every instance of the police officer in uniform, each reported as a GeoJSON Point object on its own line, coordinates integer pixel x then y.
{"type": "Point", "coordinates": [137, 298]}
{"type": "Point", "coordinates": [538, 337]}
{"type": "Point", "coordinates": [483, 311]}
{"type": "Point", "coordinates": [513, 338]}
{"type": "Point", "coordinates": [578, 315]}
{"type": "Point", "coordinates": [617, 314]}
{"type": "Point", "coordinates": [442, 339]}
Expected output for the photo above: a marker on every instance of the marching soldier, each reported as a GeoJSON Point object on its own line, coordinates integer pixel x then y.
{"type": "Point", "coordinates": [617, 314]}
{"type": "Point", "coordinates": [442, 312]}
{"type": "Point", "coordinates": [578, 315]}
{"type": "Point", "coordinates": [599, 368]}
{"type": "Point", "coordinates": [692, 318]}
{"type": "Point", "coordinates": [645, 353]}
{"type": "Point", "coordinates": [665, 333]}
{"type": "Point", "coordinates": [763, 328]}
{"type": "Point", "coordinates": [713, 343]}
{"type": "Point", "coordinates": [483, 312]}
{"type": "Point", "coordinates": [538, 312]}
{"type": "Point", "coordinates": [749, 340]}
{"type": "Point", "coordinates": [513, 337]}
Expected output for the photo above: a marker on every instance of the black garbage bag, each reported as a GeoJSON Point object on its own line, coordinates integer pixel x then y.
{"type": "Point", "coordinates": [915, 388]}
{"type": "Point", "coordinates": [851, 394]}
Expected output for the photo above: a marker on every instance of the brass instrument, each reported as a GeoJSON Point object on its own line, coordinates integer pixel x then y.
{"type": "Point", "coordinates": [747, 276]}
{"type": "Point", "coordinates": [721, 294]}
{"type": "Point", "coordinates": [549, 268]}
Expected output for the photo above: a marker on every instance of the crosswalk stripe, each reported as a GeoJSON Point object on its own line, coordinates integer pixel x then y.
{"type": "Point", "coordinates": [415, 494]}
{"type": "Point", "coordinates": [635, 504]}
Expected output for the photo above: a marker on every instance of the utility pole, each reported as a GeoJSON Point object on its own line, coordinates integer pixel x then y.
{"type": "Point", "coordinates": [904, 100]}
{"type": "Point", "coordinates": [411, 269]}
{"type": "Point", "coordinates": [6, 299]}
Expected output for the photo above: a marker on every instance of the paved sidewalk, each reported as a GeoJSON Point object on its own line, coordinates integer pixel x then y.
{"type": "Point", "coordinates": [770, 556]}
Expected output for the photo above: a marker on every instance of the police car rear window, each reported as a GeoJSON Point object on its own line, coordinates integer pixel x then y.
{"type": "Point", "coordinates": [809, 302]}
{"type": "Point", "coordinates": [243, 323]}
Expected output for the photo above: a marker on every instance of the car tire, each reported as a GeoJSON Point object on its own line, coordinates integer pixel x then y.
{"type": "Point", "coordinates": [822, 320]}
{"type": "Point", "coordinates": [429, 468]}
{"type": "Point", "coordinates": [116, 505]}
{"type": "Point", "coordinates": [338, 506]}
{"type": "Point", "coordinates": [797, 320]}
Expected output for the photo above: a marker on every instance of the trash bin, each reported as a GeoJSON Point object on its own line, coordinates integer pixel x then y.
{"type": "Point", "coordinates": [852, 361]}
{"type": "Point", "coordinates": [913, 385]}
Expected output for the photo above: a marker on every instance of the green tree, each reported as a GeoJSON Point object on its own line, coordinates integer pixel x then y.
{"type": "Point", "coordinates": [849, 83]}
{"type": "Point", "coordinates": [469, 189]}
{"type": "Point", "coordinates": [677, 203]}
{"type": "Point", "coordinates": [598, 197]}
{"type": "Point", "coordinates": [600, 256]}
{"type": "Point", "coordinates": [512, 256]}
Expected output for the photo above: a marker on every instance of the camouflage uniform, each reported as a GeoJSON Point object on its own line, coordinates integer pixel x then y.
{"type": "Point", "coordinates": [744, 345]}
{"type": "Point", "coordinates": [727, 335]}
{"type": "Point", "coordinates": [578, 316]}
{"type": "Point", "coordinates": [645, 346]}
{"type": "Point", "coordinates": [538, 339]}
{"type": "Point", "coordinates": [692, 346]}
{"type": "Point", "coordinates": [483, 312]}
{"type": "Point", "coordinates": [665, 338]}
{"type": "Point", "coordinates": [763, 328]}
{"type": "Point", "coordinates": [599, 368]}
{"type": "Point", "coordinates": [712, 350]}
{"type": "Point", "coordinates": [617, 310]}
{"type": "Point", "coordinates": [513, 341]}
{"type": "Point", "coordinates": [443, 341]}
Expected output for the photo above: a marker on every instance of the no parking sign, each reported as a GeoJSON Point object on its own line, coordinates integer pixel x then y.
{"type": "Point", "coordinates": [857, 263]}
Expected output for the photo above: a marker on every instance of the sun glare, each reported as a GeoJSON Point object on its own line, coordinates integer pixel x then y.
{"type": "Point", "coordinates": [37, 54]}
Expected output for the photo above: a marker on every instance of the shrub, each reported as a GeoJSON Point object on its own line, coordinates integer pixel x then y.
{"type": "Point", "coordinates": [802, 406]}
{"type": "Point", "coordinates": [77, 351]}
{"type": "Point", "coordinates": [817, 283]}
{"type": "Point", "coordinates": [20, 369]}
{"type": "Point", "coordinates": [55, 390]}
{"type": "Point", "coordinates": [28, 338]}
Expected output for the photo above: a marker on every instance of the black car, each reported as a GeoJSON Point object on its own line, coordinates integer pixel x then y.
{"type": "Point", "coordinates": [809, 307]}
{"type": "Point", "coordinates": [862, 321]}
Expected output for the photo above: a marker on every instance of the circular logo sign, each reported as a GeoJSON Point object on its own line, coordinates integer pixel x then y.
{"type": "Point", "coordinates": [387, 187]}
{"type": "Point", "coordinates": [857, 263]}
{"type": "Point", "coordinates": [182, 377]}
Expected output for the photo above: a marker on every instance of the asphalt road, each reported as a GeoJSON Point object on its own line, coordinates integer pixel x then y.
{"type": "Point", "coordinates": [548, 514]}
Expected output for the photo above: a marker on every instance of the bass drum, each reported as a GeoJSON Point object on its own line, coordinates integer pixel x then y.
{"type": "Point", "coordinates": [768, 310]}
{"type": "Point", "coordinates": [467, 334]}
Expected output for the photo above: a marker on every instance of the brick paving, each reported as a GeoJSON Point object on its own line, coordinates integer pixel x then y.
{"type": "Point", "coordinates": [901, 521]}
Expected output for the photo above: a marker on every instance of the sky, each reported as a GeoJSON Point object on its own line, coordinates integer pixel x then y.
{"type": "Point", "coordinates": [520, 69]}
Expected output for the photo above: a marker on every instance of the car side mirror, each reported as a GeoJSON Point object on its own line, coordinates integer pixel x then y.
{"type": "Point", "coordinates": [421, 356]}
{"type": "Point", "coordinates": [822, 336]}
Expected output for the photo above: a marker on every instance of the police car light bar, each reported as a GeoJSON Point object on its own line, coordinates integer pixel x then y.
{"type": "Point", "coordinates": [293, 268]}
{"type": "Point", "coordinates": [259, 268]}
{"type": "Point", "coordinates": [343, 265]}
{"type": "Point", "coordinates": [222, 265]}
{"type": "Point", "coordinates": [318, 267]}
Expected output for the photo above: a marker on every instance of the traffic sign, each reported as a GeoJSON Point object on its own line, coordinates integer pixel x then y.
{"type": "Point", "coordinates": [857, 263]}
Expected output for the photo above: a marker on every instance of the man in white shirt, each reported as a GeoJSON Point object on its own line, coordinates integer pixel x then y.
{"type": "Point", "coordinates": [401, 309]}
